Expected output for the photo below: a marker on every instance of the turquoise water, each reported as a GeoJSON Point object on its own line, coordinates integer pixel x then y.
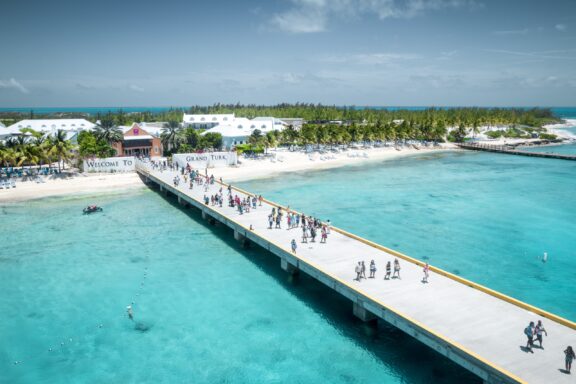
{"type": "Point", "coordinates": [565, 112]}
{"type": "Point", "coordinates": [206, 310]}
{"type": "Point", "coordinates": [486, 217]}
{"type": "Point", "coordinates": [565, 149]}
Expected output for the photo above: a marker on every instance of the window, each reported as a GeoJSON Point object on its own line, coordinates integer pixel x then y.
{"type": "Point", "coordinates": [240, 126]}
{"type": "Point", "coordinates": [252, 126]}
{"type": "Point", "coordinates": [191, 119]}
{"type": "Point", "coordinates": [214, 119]}
{"type": "Point", "coordinates": [225, 119]}
{"type": "Point", "coordinates": [202, 119]}
{"type": "Point", "coordinates": [155, 149]}
{"type": "Point", "coordinates": [263, 126]}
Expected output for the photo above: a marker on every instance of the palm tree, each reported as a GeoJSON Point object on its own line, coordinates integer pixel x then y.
{"type": "Point", "coordinates": [108, 132]}
{"type": "Point", "coordinates": [170, 135]}
{"type": "Point", "coordinates": [256, 138]}
{"type": "Point", "coordinates": [60, 147]}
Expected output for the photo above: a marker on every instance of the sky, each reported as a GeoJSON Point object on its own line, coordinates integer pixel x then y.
{"type": "Point", "coordinates": [343, 52]}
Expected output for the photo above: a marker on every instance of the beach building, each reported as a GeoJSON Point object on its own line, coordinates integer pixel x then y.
{"type": "Point", "coordinates": [206, 121]}
{"type": "Point", "coordinates": [238, 131]}
{"type": "Point", "coordinates": [52, 125]}
{"type": "Point", "coordinates": [139, 141]}
{"type": "Point", "coordinates": [295, 122]}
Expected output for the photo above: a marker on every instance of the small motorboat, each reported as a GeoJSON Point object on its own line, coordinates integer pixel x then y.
{"type": "Point", "coordinates": [92, 209]}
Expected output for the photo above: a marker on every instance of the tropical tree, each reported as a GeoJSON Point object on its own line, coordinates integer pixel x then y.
{"type": "Point", "coordinates": [60, 148]}
{"type": "Point", "coordinates": [108, 131]}
{"type": "Point", "coordinates": [171, 136]}
{"type": "Point", "coordinates": [256, 139]}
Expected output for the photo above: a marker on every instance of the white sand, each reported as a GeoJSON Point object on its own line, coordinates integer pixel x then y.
{"type": "Point", "coordinates": [86, 184]}
{"type": "Point", "coordinates": [287, 162]}
{"type": "Point", "coordinates": [73, 183]}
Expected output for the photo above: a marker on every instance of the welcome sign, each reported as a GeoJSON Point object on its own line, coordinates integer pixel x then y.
{"type": "Point", "coordinates": [206, 160]}
{"type": "Point", "coordinates": [110, 164]}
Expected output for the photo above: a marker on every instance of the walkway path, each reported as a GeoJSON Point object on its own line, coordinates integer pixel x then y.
{"type": "Point", "coordinates": [470, 324]}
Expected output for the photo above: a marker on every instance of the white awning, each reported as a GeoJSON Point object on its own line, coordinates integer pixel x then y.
{"type": "Point", "coordinates": [140, 137]}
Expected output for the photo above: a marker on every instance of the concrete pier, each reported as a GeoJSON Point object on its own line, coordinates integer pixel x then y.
{"type": "Point", "coordinates": [472, 325]}
{"type": "Point", "coordinates": [509, 151]}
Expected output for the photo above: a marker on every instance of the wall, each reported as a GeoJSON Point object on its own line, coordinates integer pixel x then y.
{"type": "Point", "coordinates": [206, 160]}
{"type": "Point", "coordinates": [110, 164]}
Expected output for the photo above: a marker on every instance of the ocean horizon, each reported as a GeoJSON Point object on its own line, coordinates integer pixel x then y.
{"type": "Point", "coordinates": [560, 111]}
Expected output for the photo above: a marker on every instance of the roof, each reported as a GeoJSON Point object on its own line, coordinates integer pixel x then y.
{"type": "Point", "coordinates": [52, 125]}
{"type": "Point", "coordinates": [242, 127]}
{"type": "Point", "coordinates": [205, 119]}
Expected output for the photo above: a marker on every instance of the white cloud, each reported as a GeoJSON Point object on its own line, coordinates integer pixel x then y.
{"type": "Point", "coordinates": [135, 88]}
{"type": "Point", "coordinates": [557, 55]}
{"type": "Point", "coordinates": [560, 27]}
{"type": "Point", "coordinates": [310, 16]}
{"type": "Point", "coordinates": [371, 58]}
{"type": "Point", "coordinates": [512, 32]}
{"type": "Point", "coordinates": [13, 84]}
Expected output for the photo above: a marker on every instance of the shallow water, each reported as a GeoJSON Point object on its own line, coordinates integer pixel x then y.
{"type": "Point", "coordinates": [206, 311]}
{"type": "Point", "coordinates": [565, 149]}
{"type": "Point", "coordinates": [486, 217]}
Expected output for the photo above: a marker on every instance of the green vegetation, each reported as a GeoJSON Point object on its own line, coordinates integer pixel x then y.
{"type": "Point", "coordinates": [548, 136]}
{"type": "Point", "coordinates": [326, 125]}
{"type": "Point", "coordinates": [89, 145]}
{"type": "Point", "coordinates": [36, 149]}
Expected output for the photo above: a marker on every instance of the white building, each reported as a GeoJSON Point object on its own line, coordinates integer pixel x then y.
{"type": "Point", "coordinates": [51, 126]}
{"type": "Point", "coordinates": [206, 121]}
{"type": "Point", "coordinates": [238, 131]}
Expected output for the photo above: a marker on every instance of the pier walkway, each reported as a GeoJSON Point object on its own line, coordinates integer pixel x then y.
{"type": "Point", "coordinates": [509, 151]}
{"type": "Point", "coordinates": [480, 329]}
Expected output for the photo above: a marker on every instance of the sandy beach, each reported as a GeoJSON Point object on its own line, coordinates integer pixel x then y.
{"type": "Point", "coordinates": [284, 162]}
{"type": "Point", "coordinates": [71, 183]}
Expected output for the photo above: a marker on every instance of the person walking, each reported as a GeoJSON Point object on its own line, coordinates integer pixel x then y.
{"type": "Point", "coordinates": [372, 269]}
{"type": "Point", "coordinates": [324, 235]}
{"type": "Point", "coordinates": [293, 246]}
{"type": "Point", "coordinates": [529, 332]}
{"type": "Point", "coordinates": [304, 235]}
{"type": "Point", "coordinates": [396, 269]}
{"type": "Point", "coordinates": [358, 271]}
{"type": "Point", "coordinates": [426, 271]}
{"type": "Point", "coordinates": [570, 356]}
{"type": "Point", "coordinates": [539, 330]}
{"type": "Point", "coordinates": [363, 269]}
{"type": "Point", "coordinates": [388, 271]}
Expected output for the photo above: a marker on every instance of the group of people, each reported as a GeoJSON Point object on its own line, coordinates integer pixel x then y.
{"type": "Point", "coordinates": [361, 270]}
{"type": "Point", "coordinates": [532, 331]}
{"type": "Point", "coordinates": [537, 331]}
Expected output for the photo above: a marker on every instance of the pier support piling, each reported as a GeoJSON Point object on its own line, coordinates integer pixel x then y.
{"type": "Point", "coordinates": [362, 313]}
{"type": "Point", "coordinates": [182, 202]}
{"type": "Point", "coordinates": [291, 269]}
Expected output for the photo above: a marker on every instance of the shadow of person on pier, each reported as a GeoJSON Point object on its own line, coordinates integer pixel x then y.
{"type": "Point", "coordinates": [526, 349]}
